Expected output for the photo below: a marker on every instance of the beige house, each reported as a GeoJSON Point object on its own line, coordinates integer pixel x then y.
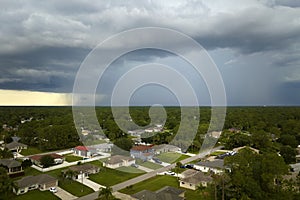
{"type": "Point", "coordinates": [82, 171]}
{"type": "Point", "coordinates": [42, 182]}
{"type": "Point", "coordinates": [13, 167]}
{"type": "Point", "coordinates": [194, 180]}
{"type": "Point", "coordinates": [119, 161]}
{"type": "Point", "coordinates": [164, 148]}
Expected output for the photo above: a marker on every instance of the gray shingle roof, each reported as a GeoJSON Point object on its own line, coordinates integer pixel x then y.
{"type": "Point", "coordinates": [118, 159]}
{"type": "Point", "coordinates": [31, 180]}
{"type": "Point", "coordinates": [166, 193]}
{"type": "Point", "coordinates": [218, 164]}
{"type": "Point", "coordinates": [10, 163]}
{"type": "Point", "coordinates": [197, 178]}
{"type": "Point", "coordinates": [15, 144]}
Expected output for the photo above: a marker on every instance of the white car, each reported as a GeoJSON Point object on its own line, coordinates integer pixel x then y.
{"type": "Point", "coordinates": [170, 173]}
{"type": "Point", "coordinates": [53, 189]}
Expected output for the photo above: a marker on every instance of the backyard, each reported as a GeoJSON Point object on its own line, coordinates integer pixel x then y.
{"type": "Point", "coordinates": [30, 151]}
{"type": "Point", "coordinates": [72, 158]}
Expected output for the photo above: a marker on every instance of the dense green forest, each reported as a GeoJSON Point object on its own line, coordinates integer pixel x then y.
{"type": "Point", "coordinates": [53, 128]}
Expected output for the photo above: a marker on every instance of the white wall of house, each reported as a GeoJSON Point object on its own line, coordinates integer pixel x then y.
{"type": "Point", "coordinates": [186, 185]}
{"type": "Point", "coordinates": [208, 169]}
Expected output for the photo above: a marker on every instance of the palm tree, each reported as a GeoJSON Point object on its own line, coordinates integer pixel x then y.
{"type": "Point", "coordinates": [105, 194]}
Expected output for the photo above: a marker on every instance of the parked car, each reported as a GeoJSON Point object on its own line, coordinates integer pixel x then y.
{"type": "Point", "coordinates": [53, 189]}
{"type": "Point", "coordinates": [134, 165]}
{"type": "Point", "coordinates": [189, 166]}
{"type": "Point", "coordinates": [157, 160]}
{"type": "Point", "coordinates": [170, 173]}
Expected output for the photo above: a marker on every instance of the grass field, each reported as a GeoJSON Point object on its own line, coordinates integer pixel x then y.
{"type": "Point", "coordinates": [75, 188]}
{"type": "Point", "coordinates": [71, 158]}
{"type": "Point", "coordinates": [109, 177]}
{"type": "Point", "coordinates": [36, 194]}
{"type": "Point", "coordinates": [149, 165]}
{"type": "Point", "coordinates": [171, 157]}
{"type": "Point", "coordinates": [30, 151]}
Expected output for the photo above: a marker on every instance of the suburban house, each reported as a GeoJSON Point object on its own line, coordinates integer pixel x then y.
{"type": "Point", "coordinates": [15, 146]}
{"type": "Point", "coordinates": [81, 171]}
{"type": "Point", "coordinates": [163, 148]}
{"type": "Point", "coordinates": [13, 167]}
{"type": "Point", "coordinates": [36, 159]}
{"type": "Point", "coordinates": [42, 182]}
{"type": "Point", "coordinates": [166, 193]}
{"type": "Point", "coordinates": [82, 151]}
{"type": "Point", "coordinates": [192, 179]}
{"type": "Point", "coordinates": [104, 147]}
{"type": "Point", "coordinates": [142, 152]}
{"type": "Point", "coordinates": [118, 161]}
{"type": "Point", "coordinates": [216, 166]}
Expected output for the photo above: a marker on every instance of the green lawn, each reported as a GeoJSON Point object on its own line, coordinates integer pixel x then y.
{"type": "Point", "coordinates": [130, 169]}
{"type": "Point", "coordinates": [171, 157]}
{"type": "Point", "coordinates": [149, 165]}
{"type": "Point", "coordinates": [71, 158]}
{"type": "Point", "coordinates": [151, 184]}
{"type": "Point", "coordinates": [30, 151]}
{"type": "Point", "coordinates": [109, 177]}
{"type": "Point", "coordinates": [75, 188]}
{"type": "Point", "coordinates": [36, 194]}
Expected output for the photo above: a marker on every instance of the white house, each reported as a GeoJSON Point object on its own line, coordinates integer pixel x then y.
{"type": "Point", "coordinates": [118, 161]}
{"type": "Point", "coordinates": [216, 166]}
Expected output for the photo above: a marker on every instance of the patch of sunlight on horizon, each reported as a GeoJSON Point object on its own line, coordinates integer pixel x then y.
{"type": "Point", "coordinates": [33, 98]}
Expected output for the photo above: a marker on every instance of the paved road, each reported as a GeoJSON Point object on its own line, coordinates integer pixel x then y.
{"type": "Point", "coordinates": [148, 175]}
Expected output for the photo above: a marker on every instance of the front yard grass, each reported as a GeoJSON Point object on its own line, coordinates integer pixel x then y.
{"type": "Point", "coordinates": [109, 177]}
{"type": "Point", "coordinates": [30, 151]}
{"type": "Point", "coordinates": [72, 158]}
{"type": "Point", "coordinates": [152, 184]}
{"type": "Point", "coordinates": [75, 187]}
{"type": "Point", "coordinates": [130, 169]}
{"type": "Point", "coordinates": [149, 165]}
{"type": "Point", "coordinates": [36, 194]}
{"type": "Point", "coordinates": [171, 157]}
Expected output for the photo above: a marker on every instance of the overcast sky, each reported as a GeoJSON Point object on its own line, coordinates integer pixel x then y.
{"type": "Point", "coordinates": [254, 43]}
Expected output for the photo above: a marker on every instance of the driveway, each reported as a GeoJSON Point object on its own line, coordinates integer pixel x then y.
{"type": "Point", "coordinates": [64, 195]}
{"type": "Point", "coordinates": [91, 184]}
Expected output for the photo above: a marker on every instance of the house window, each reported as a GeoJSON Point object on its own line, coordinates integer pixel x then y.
{"type": "Point", "coordinates": [191, 185]}
{"type": "Point", "coordinates": [182, 183]}
{"type": "Point", "coordinates": [22, 191]}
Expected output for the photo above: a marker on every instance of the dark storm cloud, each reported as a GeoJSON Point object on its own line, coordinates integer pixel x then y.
{"type": "Point", "coordinates": [43, 43]}
{"type": "Point", "coordinates": [44, 69]}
